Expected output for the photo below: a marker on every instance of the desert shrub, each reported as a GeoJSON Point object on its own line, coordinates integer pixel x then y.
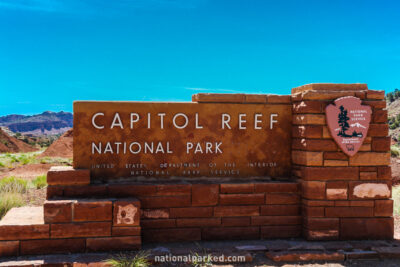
{"type": "Point", "coordinates": [24, 159]}
{"type": "Point", "coordinates": [13, 185]}
{"type": "Point", "coordinates": [8, 201]}
{"type": "Point", "coordinates": [2, 165]}
{"type": "Point", "coordinates": [128, 260]}
{"type": "Point", "coordinates": [394, 151]}
{"type": "Point", "coordinates": [40, 181]}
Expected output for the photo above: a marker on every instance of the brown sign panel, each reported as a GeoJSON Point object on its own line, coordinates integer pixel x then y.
{"type": "Point", "coordinates": [146, 139]}
{"type": "Point", "coordinates": [348, 121]}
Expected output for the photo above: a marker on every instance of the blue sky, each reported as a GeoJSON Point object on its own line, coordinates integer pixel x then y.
{"type": "Point", "coordinates": [53, 52]}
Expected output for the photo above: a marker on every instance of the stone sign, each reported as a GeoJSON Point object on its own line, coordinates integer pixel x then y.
{"type": "Point", "coordinates": [348, 122]}
{"type": "Point", "coordinates": [136, 139]}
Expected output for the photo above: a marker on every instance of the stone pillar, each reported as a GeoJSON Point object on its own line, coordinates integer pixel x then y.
{"type": "Point", "coordinates": [343, 197]}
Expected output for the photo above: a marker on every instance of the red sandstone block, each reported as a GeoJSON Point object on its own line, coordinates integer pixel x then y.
{"type": "Point", "coordinates": [66, 175]}
{"type": "Point", "coordinates": [241, 199]}
{"type": "Point", "coordinates": [381, 144]}
{"type": "Point", "coordinates": [307, 107]}
{"type": "Point", "coordinates": [315, 95]}
{"type": "Point", "coordinates": [235, 221]}
{"type": "Point", "coordinates": [369, 190]}
{"type": "Point", "coordinates": [9, 248]}
{"type": "Point", "coordinates": [331, 88]}
{"type": "Point", "coordinates": [276, 198]}
{"type": "Point", "coordinates": [275, 220]}
{"type": "Point", "coordinates": [253, 98]}
{"type": "Point", "coordinates": [125, 231]}
{"type": "Point", "coordinates": [52, 246]}
{"type": "Point", "coordinates": [366, 228]}
{"type": "Point", "coordinates": [335, 156]}
{"type": "Point", "coordinates": [154, 214]}
{"type": "Point", "coordinates": [56, 211]}
{"type": "Point", "coordinates": [279, 99]}
{"type": "Point", "coordinates": [236, 211]}
{"type": "Point", "coordinates": [158, 223]}
{"type": "Point", "coordinates": [302, 256]}
{"type": "Point", "coordinates": [85, 191]}
{"type": "Point", "coordinates": [321, 223]}
{"type": "Point", "coordinates": [219, 98]}
{"type": "Point", "coordinates": [321, 234]}
{"type": "Point", "coordinates": [368, 175]}
{"type": "Point", "coordinates": [277, 187]}
{"type": "Point", "coordinates": [313, 189]}
{"type": "Point", "coordinates": [383, 208]}
{"type": "Point", "coordinates": [205, 194]}
{"type": "Point", "coordinates": [314, 144]}
{"type": "Point", "coordinates": [173, 189]}
{"type": "Point", "coordinates": [283, 210]}
{"type": "Point", "coordinates": [313, 211]}
{"type": "Point", "coordinates": [281, 231]}
{"type": "Point", "coordinates": [131, 190]}
{"type": "Point", "coordinates": [336, 193]}
{"type": "Point", "coordinates": [380, 116]}
{"type": "Point", "coordinates": [330, 173]}
{"type": "Point", "coordinates": [90, 210]}
{"type": "Point", "coordinates": [54, 191]}
{"type": "Point", "coordinates": [344, 212]}
{"type": "Point", "coordinates": [309, 131]}
{"type": "Point", "coordinates": [237, 188]}
{"type": "Point", "coordinates": [192, 212]}
{"type": "Point", "coordinates": [354, 203]}
{"type": "Point", "coordinates": [368, 169]}
{"type": "Point", "coordinates": [165, 201]}
{"type": "Point", "coordinates": [375, 103]}
{"type": "Point", "coordinates": [114, 243]}
{"type": "Point", "coordinates": [22, 232]}
{"type": "Point", "coordinates": [378, 130]}
{"type": "Point", "coordinates": [198, 222]}
{"type": "Point", "coordinates": [318, 203]}
{"type": "Point", "coordinates": [336, 163]}
{"type": "Point", "coordinates": [80, 229]}
{"type": "Point", "coordinates": [360, 94]}
{"type": "Point", "coordinates": [171, 235]}
{"type": "Point", "coordinates": [307, 158]}
{"type": "Point", "coordinates": [384, 173]}
{"type": "Point", "coordinates": [126, 212]}
{"type": "Point", "coordinates": [370, 159]}
{"type": "Point", "coordinates": [230, 233]}
{"type": "Point", "coordinates": [309, 119]}
{"type": "Point", "coordinates": [336, 190]}
{"type": "Point", "coordinates": [376, 94]}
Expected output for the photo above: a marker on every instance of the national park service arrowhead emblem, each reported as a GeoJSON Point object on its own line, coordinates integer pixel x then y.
{"type": "Point", "coordinates": [348, 121]}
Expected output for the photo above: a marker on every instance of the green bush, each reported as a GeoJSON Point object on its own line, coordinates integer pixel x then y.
{"type": "Point", "coordinates": [128, 260]}
{"type": "Point", "coordinates": [2, 165]}
{"type": "Point", "coordinates": [13, 185]}
{"type": "Point", "coordinates": [8, 201]}
{"type": "Point", "coordinates": [40, 182]}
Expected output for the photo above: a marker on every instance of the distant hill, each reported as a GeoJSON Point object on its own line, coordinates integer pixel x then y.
{"type": "Point", "coordinates": [393, 107]}
{"type": "Point", "coordinates": [47, 123]}
{"type": "Point", "coordinates": [13, 145]}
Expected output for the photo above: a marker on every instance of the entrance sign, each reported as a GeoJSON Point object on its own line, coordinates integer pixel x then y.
{"type": "Point", "coordinates": [137, 139]}
{"type": "Point", "coordinates": [348, 122]}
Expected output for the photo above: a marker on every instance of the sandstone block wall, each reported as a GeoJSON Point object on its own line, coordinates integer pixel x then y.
{"type": "Point", "coordinates": [342, 197]}
{"type": "Point", "coordinates": [329, 196]}
{"type": "Point", "coordinates": [202, 211]}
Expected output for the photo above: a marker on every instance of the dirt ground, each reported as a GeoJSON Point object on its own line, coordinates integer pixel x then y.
{"type": "Point", "coordinates": [29, 171]}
